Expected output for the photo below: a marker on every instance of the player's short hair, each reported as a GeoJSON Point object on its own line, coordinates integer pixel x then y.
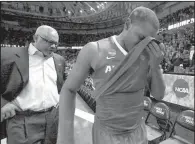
{"type": "Point", "coordinates": [143, 14]}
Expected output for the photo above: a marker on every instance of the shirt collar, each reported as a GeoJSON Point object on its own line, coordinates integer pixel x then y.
{"type": "Point", "coordinates": [32, 49]}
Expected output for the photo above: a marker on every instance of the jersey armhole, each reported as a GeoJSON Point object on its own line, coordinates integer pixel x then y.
{"type": "Point", "coordinates": [97, 57]}
{"type": "Point", "coordinates": [148, 78]}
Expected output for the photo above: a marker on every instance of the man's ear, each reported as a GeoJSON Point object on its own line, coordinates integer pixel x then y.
{"type": "Point", "coordinates": [127, 24]}
{"type": "Point", "coordinates": [35, 38]}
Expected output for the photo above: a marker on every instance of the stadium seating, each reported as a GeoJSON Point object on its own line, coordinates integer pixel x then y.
{"type": "Point", "coordinates": [177, 16]}
{"type": "Point", "coordinates": [186, 120]}
{"type": "Point", "coordinates": [161, 113]}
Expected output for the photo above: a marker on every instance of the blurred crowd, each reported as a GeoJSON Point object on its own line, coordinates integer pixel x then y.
{"type": "Point", "coordinates": [80, 39]}
{"type": "Point", "coordinates": [178, 16]}
{"type": "Point", "coordinates": [69, 56]}
{"type": "Point", "coordinates": [179, 51]}
{"type": "Point", "coordinates": [19, 37]}
{"type": "Point", "coordinates": [10, 36]}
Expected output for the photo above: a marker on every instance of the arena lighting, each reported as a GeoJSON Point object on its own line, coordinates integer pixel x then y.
{"type": "Point", "coordinates": [62, 47]}
{"type": "Point", "coordinates": [177, 25]}
{"type": "Point", "coordinates": [191, 54]}
{"type": "Point", "coordinates": [79, 47]}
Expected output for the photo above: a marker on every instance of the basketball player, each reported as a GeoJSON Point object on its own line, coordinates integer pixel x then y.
{"type": "Point", "coordinates": [118, 117]}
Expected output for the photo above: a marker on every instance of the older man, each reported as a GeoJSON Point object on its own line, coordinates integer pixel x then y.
{"type": "Point", "coordinates": [32, 89]}
{"type": "Point", "coordinates": [122, 65]}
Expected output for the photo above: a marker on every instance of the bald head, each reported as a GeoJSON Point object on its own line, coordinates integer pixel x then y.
{"type": "Point", "coordinates": [48, 33]}
{"type": "Point", "coordinates": [143, 14]}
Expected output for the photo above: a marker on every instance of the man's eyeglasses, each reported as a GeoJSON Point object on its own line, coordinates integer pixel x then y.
{"type": "Point", "coordinates": [53, 44]}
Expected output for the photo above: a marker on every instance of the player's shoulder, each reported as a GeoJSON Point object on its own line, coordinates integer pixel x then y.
{"type": "Point", "coordinates": [90, 48]}
{"type": "Point", "coordinates": [104, 41]}
{"type": "Point", "coordinates": [93, 49]}
{"type": "Point", "coordinates": [97, 46]}
{"type": "Point", "coordinates": [103, 44]}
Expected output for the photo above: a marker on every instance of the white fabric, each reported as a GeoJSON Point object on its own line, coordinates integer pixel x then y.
{"type": "Point", "coordinates": [119, 46]}
{"type": "Point", "coordinates": [41, 91]}
{"type": "Point", "coordinates": [191, 54]}
{"type": "Point", "coordinates": [123, 50]}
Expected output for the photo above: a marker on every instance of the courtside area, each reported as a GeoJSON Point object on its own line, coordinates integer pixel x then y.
{"type": "Point", "coordinates": [84, 118]}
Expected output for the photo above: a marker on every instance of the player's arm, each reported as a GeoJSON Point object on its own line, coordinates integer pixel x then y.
{"type": "Point", "coordinates": [156, 83]}
{"type": "Point", "coordinates": [76, 77]}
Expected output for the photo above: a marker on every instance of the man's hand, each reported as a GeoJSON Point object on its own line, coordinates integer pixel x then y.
{"type": "Point", "coordinates": [8, 110]}
{"type": "Point", "coordinates": [156, 53]}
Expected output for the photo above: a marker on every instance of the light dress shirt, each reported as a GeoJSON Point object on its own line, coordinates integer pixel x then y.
{"type": "Point", "coordinates": [41, 91]}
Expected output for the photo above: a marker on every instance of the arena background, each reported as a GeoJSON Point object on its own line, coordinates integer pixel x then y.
{"type": "Point", "coordinates": [81, 22]}
{"type": "Point", "coordinates": [172, 97]}
{"type": "Point", "coordinates": [184, 97]}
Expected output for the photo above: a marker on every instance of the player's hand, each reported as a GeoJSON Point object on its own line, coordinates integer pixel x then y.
{"type": "Point", "coordinates": [156, 53]}
{"type": "Point", "coordinates": [8, 111]}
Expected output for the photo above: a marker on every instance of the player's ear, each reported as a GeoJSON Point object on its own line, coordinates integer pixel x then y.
{"type": "Point", "coordinates": [127, 24]}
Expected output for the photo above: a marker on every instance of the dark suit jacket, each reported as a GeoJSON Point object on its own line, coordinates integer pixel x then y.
{"type": "Point", "coordinates": [15, 72]}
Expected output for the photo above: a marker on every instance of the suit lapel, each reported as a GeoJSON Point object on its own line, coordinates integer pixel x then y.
{"type": "Point", "coordinates": [22, 62]}
{"type": "Point", "coordinates": [59, 71]}
{"type": "Point", "coordinates": [58, 64]}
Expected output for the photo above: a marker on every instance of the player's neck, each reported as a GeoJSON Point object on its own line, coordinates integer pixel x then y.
{"type": "Point", "coordinates": [120, 40]}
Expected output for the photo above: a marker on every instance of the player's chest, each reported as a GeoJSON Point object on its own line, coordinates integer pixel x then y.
{"type": "Point", "coordinates": [110, 61]}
